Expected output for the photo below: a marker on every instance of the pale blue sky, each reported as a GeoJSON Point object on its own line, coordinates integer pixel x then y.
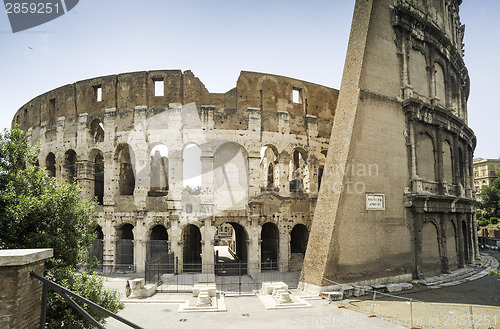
{"type": "Point", "coordinates": [216, 40]}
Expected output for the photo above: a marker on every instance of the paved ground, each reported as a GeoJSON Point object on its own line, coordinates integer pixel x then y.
{"type": "Point", "coordinates": [160, 310]}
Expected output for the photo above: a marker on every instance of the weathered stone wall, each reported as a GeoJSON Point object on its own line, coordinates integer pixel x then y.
{"type": "Point", "coordinates": [401, 110]}
{"type": "Point", "coordinates": [20, 295]}
{"type": "Point", "coordinates": [116, 123]}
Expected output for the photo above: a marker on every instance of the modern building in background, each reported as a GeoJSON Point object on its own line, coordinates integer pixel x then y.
{"type": "Point", "coordinates": [485, 171]}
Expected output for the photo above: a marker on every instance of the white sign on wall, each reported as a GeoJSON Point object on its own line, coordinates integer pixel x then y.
{"type": "Point", "coordinates": [375, 201]}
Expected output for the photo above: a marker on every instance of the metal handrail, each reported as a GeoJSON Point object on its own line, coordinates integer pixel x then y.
{"type": "Point", "coordinates": [66, 294]}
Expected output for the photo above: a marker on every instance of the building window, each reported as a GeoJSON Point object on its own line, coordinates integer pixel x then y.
{"type": "Point", "coordinates": [98, 93]}
{"type": "Point", "coordinates": [296, 95]}
{"type": "Point", "coordinates": [159, 87]}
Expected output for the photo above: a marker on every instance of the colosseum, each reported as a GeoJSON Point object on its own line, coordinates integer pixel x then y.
{"type": "Point", "coordinates": [177, 170]}
{"type": "Point", "coordinates": [181, 174]}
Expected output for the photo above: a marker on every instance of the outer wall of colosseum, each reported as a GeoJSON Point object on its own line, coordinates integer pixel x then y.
{"type": "Point", "coordinates": [177, 170]}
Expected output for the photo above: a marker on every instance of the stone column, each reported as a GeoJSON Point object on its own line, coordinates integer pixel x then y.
{"type": "Point", "coordinates": [443, 240]}
{"type": "Point", "coordinates": [140, 158]}
{"type": "Point", "coordinates": [109, 243]}
{"type": "Point", "coordinates": [476, 245]}
{"type": "Point", "coordinates": [284, 167]}
{"type": "Point", "coordinates": [110, 183]}
{"type": "Point", "coordinates": [140, 239]}
{"type": "Point", "coordinates": [284, 248]}
{"type": "Point", "coordinates": [254, 121]}
{"type": "Point", "coordinates": [253, 175]}
{"type": "Point", "coordinates": [461, 248]}
{"type": "Point", "coordinates": [175, 241]}
{"type": "Point", "coordinates": [253, 230]}
{"type": "Point", "coordinates": [207, 245]}
{"type": "Point", "coordinates": [418, 222]}
{"type": "Point", "coordinates": [472, 241]}
{"type": "Point", "coordinates": [21, 295]}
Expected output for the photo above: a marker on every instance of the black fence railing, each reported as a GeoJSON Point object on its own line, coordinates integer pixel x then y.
{"type": "Point", "coordinates": [230, 277]}
{"type": "Point", "coordinates": [68, 295]}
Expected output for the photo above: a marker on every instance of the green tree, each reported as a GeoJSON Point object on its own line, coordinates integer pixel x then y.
{"type": "Point", "coordinates": [490, 198]}
{"type": "Point", "coordinates": [38, 212]}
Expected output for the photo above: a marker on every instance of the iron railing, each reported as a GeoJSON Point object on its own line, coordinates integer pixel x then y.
{"type": "Point", "coordinates": [67, 294]}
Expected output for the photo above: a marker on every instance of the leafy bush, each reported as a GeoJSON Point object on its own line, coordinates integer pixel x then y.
{"type": "Point", "coordinates": [482, 223]}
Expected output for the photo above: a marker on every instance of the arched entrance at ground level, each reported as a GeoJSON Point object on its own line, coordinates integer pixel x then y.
{"type": "Point", "coordinates": [269, 247]}
{"type": "Point", "coordinates": [451, 246]}
{"type": "Point", "coordinates": [125, 249]}
{"type": "Point", "coordinates": [157, 246]}
{"type": "Point", "coordinates": [431, 260]}
{"type": "Point", "coordinates": [191, 250]}
{"type": "Point", "coordinates": [298, 244]}
{"type": "Point", "coordinates": [230, 247]}
{"type": "Point", "coordinates": [96, 251]}
{"type": "Point", "coordinates": [158, 259]}
{"type": "Point", "coordinates": [465, 234]}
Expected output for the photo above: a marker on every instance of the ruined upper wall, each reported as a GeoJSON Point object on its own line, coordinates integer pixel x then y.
{"type": "Point", "coordinates": [271, 93]}
{"type": "Point", "coordinates": [442, 16]}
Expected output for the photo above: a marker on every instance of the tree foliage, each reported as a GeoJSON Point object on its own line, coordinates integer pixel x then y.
{"type": "Point", "coordinates": [490, 201]}
{"type": "Point", "coordinates": [38, 212]}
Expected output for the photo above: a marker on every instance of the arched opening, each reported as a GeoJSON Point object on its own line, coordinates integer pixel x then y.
{"type": "Point", "coordinates": [425, 158]}
{"type": "Point", "coordinates": [269, 168]}
{"type": "Point", "coordinates": [230, 247]}
{"type": "Point", "coordinates": [439, 84]}
{"type": "Point", "coordinates": [451, 245]}
{"type": "Point", "coordinates": [418, 77]}
{"type": "Point", "coordinates": [191, 168]}
{"type": "Point", "coordinates": [158, 257]}
{"type": "Point", "coordinates": [126, 182]}
{"type": "Point", "coordinates": [158, 182]}
{"type": "Point", "coordinates": [96, 131]}
{"type": "Point", "coordinates": [50, 164]}
{"type": "Point", "coordinates": [99, 178]}
{"type": "Point", "coordinates": [299, 171]}
{"type": "Point", "coordinates": [298, 245]}
{"type": "Point", "coordinates": [191, 238]}
{"type": "Point", "coordinates": [465, 235]}
{"type": "Point", "coordinates": [269, 247]}
{"type": "Point", "coordinates": [125, 249]}
{"type": "Point", "coordinates": [270, 175]}
{"type": "Point", "coordinates": [96, 251]}
{"type": "Point", "coordinates": [69, 166]}
{"type": "Point", "coordinates": [231, 177]}
{"type": "Point", "coordinates": [447, 163]}
{"type": "Point", "coordinates": [430, 250]}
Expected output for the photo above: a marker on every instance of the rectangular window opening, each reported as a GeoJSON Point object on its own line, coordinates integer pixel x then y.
{"type": "Point", "coordinates": [98, 93]}
{"type": "Point", "coordinates": [296, 97]}
{"type": "Point", "coordinates": [159, 88]}
{"type": "Point", "coordinates": [52, 105]}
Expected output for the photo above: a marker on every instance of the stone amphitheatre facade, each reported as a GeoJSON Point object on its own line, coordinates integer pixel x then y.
{"type": "Point", "coordinates": [395, 166]}
{"type": "Point", "coordinates": [135, 140]}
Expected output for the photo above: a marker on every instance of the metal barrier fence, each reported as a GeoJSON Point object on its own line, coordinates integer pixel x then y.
{"type": "Point", "coordinates": [234, 277]}
{"type": "Point", "coordinates": [425, 315]}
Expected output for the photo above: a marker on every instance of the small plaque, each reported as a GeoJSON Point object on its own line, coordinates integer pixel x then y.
{"type": "Point", "coordinates": [375, 201]}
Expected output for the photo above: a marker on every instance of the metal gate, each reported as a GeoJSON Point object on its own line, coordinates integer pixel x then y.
{"type": "Point", "coordinates": [97, 251]}
{"type": "Point", "coordinates": [124, 255]}
{"type": "Point", "coordinates": [158, 260]}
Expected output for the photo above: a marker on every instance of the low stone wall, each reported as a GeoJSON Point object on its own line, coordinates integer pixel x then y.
{"type": "Point", "coordinates": [20, 295]}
